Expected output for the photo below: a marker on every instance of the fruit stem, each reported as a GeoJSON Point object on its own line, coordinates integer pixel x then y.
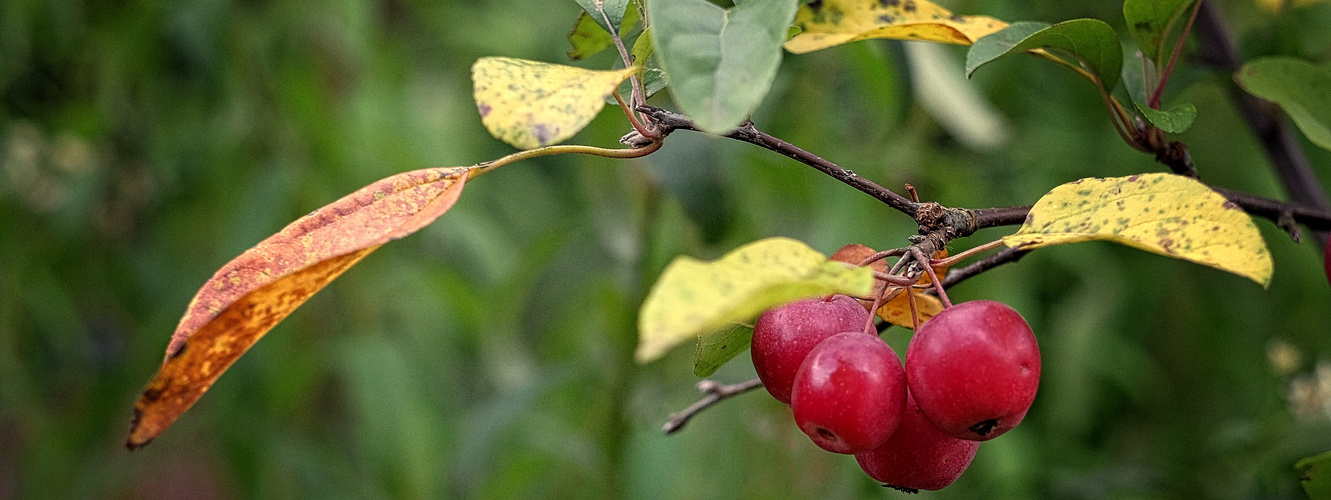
{"type": "Point", "coordinates": [953, 260]}
{"type": "Point", "coordinates": [933, 276]}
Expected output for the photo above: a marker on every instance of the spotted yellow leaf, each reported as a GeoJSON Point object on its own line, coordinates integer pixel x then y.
{"type": "Point", "coordinates": [531, 104]}
{"type": "Point", "coordinates": [1167, 214]}
{"type": "Point", "coordinates": [693, 298]}
{"type": "Point", "coordinates": [834, 22]}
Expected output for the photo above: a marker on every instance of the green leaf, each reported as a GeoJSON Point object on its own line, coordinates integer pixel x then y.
{"type": "Point", "coordinates": [719, 347]}
{"type": "Point", "coordinates": [1176, 120]}
{"type": "Point", "coordinates": [643, 48]}
{"type": "Point", "coordinates": [835, 22]}
{"type": "Point", "coordinates": [720, 62]}
{"type": "Point", "coordinates": [613, 9]}
{"type": "Point", "coordinates": [1301, 89]}
{"type": "Point", "coordinates": [589, 38]}
{"type": "Point", "coordinates": [1168, 214]}
{"type": "Point", "coordinates": [1316, 478]}
{"type": "Point", "coordinates": [1150, 21]}
{"type": "Point", "coordinates": [999, 44]}
{"type": "Point", "coordinates": [532, 104]}
{"type": "Point", "coordinates": [1090, 42]}
{"type": "Point", "coordinates": [693, 298]}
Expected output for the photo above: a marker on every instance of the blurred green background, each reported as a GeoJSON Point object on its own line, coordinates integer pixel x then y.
{"type": "Point", "coordinates": [143, 144]}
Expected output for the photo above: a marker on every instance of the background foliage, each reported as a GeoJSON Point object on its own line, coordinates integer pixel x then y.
{"type": "Point", "coordinates": [143, 145]}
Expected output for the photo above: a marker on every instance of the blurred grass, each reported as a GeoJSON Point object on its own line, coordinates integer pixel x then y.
{"type": "Point", "coordinates": [142, 145]}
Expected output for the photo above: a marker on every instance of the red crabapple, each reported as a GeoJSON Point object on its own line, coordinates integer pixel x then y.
{"type": "Point", "coordinates": [849, 392]}
{"type": "Point", "coordinates": [785, 334]}
{"type": "Point", "coordinates": [918, 456]}
{"type": "Point", "coordinates": [974, 369]}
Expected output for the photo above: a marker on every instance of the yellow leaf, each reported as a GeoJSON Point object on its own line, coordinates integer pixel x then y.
{"type": "Point", "coordinates": [834, 22]}
{"type": "Point", "coordinates": [533, 104]}
{"type": "Point", "coordinates": [258, 289]}
{"type": "Point", "coordinates": [1167, 214]}
{"type": "Point", "coordinates": [897, 310]}
{"type": "Point", "coordinates": [692, 297]}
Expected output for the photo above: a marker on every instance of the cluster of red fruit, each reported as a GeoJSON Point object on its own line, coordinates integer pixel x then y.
{"type": "Point", "coordinates": [970, 375]}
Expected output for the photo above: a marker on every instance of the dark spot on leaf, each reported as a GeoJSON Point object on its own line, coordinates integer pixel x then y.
{"type": "Point", "coordinates": [1134, 178]}
{"type": "Point", "coordinates": [909, 6]}
{"type": "Point", "coordinates": [885, 19]}
{"type": "Point", "coordinates": [1230, 205]}
{"type": "Point", "coordinates": [815, 5]}
{"type": "Point", "coordinates": [889, 3]}
{"type": "Point", "coordinates": [1217, 228]}
{"type": "Point", "coordinates": [541, 132]}
{"type": "Point", "coordinates": [957, 19]}
{"type": "Point", "coordinates": [1166, 243]}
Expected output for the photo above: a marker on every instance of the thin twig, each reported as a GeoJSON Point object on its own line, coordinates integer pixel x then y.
{"type": "Point", "coordinates": [1154, 100]}
{"type": "Point", "coordinates": [923, 260]}
{"type": "Point", "coordinates": [716, 392]}
{"type": "Point", "coordinates": [990, 262]}
{"type": "Point", "coordinates": [670, 121]}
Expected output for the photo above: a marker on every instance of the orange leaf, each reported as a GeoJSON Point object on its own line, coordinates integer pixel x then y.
{"type": "Point", "coordinates": [255, 291]}
{"type": "Point", "coordinates": [897, 310]}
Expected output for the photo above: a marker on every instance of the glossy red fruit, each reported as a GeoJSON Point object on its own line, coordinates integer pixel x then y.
{"type": "Point", "coordinates": [974, 369]}
{"type": "Point", "coordinates": [849, 393]}
{"type": "Point", "coordinates": [918, 456]}
{"type": "Point", "coordinates": [785, 334]}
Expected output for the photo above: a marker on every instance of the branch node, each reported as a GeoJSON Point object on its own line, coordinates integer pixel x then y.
{"type": "Point", "coordinates": [1287, 223]}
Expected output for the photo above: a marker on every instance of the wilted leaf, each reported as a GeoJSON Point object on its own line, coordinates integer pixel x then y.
{"type": "Point", "coordinates": [252, 293]}
{"type": "Point", "coordinates": [1167, 214]}
{"type": "Point", "coordinates": [720, 62]}
{"type": "Point", "coordinates": [834, 22]}
{"type": "Point", "coordinates": [897, 310]}
{"type": "Point", "coordinates": [719, 347]}
{"type": "Point", "coordinates": [532, 104]}
{"type": "Point", "coordinates": [1150, 21]}
{"type": "Point", "coordinates": [1301, 89]}
{"type": "Point", "coordinates": [692, 298]}
{"type": "Point", "coordinates": [1090, 42]}
{"type": "Point", "coordinates": [1316, 478]}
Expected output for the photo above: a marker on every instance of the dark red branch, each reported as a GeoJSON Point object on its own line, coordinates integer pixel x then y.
{"type": "Point", "coordinates": [1282, 146]}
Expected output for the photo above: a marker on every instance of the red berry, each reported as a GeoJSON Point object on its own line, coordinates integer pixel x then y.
{"type": "Point", "coordinates": [918, 456]}
{"type": "Point", "coordinates": [849, 393]}
{"type": "Point", "coordinates": [974, 369]}
{"type": "Point", "coordinates": [785, 334]}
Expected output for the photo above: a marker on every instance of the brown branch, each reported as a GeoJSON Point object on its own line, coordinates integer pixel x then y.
{"type": "Point", "coordinates": [1282, 146]}
{"type": "Point", "coordinates": [716, 392]}
{"type": "Point", "coordinates": [670, 121]}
